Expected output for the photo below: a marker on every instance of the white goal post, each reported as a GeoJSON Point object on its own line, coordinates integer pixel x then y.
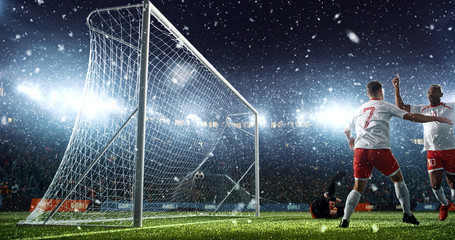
{"type": "Point", "coordinates": [160, 132]}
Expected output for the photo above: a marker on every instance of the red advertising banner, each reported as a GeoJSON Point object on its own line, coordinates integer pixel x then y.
{"type": "Point", "coordinates": [68, 206]}
{"type": "Point", "coordinates": [364, 207]}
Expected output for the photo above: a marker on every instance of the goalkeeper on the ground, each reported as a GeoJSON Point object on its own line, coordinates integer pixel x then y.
{"type": "Point", "coordinates": [327, 205]}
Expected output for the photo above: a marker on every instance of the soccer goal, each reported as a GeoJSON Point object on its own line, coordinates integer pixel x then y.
{"type": "Point", "coordinates": [160, 132]}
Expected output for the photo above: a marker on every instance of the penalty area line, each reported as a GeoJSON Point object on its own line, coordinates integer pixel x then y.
{"type": "Point", "coordinates": [125, 229]}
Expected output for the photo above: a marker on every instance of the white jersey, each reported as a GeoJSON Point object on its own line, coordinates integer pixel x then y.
{"type": "Point", "coordinates": [371, 124]}
{"type": "Point", "coordinates": [436, 135]}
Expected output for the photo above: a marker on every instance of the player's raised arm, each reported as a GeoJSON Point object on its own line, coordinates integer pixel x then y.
{"type": "Point", "coordinates": [398, 101]}
{"type": "Point", "coordinates": [415, 117]}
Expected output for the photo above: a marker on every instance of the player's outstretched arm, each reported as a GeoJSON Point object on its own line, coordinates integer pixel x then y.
{"type": "Point", "coordinates": [351, 139]}
{"type": "Point", "coordinates": [415, 117]}
{"type": "Point", "coordinates": [398, 101]}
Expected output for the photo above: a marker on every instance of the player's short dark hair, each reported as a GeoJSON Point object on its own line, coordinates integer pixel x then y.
{"type": "Point", "coordinates": [373, 88]}
{"type": "Point", "coordinates": [437, 86]}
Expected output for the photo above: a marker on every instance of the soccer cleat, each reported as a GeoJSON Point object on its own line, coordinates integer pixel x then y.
{"type": "Point", "coordinates": [443, 212]}
{"type": "Point", "coordinates": [410, 219]}
{"type": "Point", "coordinates": [339, 176]}
{"type": "Point", "coordinates": [344, 223]}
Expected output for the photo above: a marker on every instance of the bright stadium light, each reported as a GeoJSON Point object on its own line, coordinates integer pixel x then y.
{"type": "Point", "coordinates": [33, 92]}
{"type": "Point", "coordinates": [300, 115]}
{"type": "Point", "coordinates": [60, 101]}
{"type": "Point", "coordinates": [261, 119]}
{"type": "Point", "coordinates": [335, 116]}
{"type": "Point", "coordinates": [54, 97]}
{"type": "Point", "coordinates": [72, 101]}
{"type": "Point", "coordinates": [94, 106]}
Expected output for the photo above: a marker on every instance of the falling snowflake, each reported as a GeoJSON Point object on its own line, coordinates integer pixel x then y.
{"type": "Point", "coordinates": [375, 228]}
{"type": "Point", "coordinates": [352, 36]}
{"type": "Point", "coordinates": [374, 188]}
{"type": "Point", "coordinates": [324, 228]}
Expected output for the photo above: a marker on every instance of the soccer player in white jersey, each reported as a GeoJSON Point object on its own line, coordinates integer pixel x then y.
{"type": "Point", "coordinates": [372, 149]}
{"type": "Point", "coordinates": [439, 142]}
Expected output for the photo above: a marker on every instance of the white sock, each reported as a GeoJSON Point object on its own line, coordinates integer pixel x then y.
{"type": "Point", "coordinates": [453, 194]}
{"type": "Point", "coordinates": [351, 203]}
{"type": "Point", "coordinates": [402, 193]}
{"type": "Point", "coordinates": [441, 196]}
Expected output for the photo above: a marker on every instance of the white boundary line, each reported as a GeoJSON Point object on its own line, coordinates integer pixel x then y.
{"type": "Point", "coordinates": [127, 229]}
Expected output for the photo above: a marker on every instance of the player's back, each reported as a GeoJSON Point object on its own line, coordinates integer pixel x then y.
{"type": "Point", "coordinates": [371, 124]}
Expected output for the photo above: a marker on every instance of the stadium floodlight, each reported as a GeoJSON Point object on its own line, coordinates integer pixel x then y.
{"type": "Point", "coordinates": [334, 116]}
{"type": "Point", "coordinates": [32, 92]}
{"type": "Point", "coordinates": [122, 168]}
{"type": "Point", "coordinates": [95, 106]}
{"type": "Point", "coordinates": [300, 115]}
{"type": "Point", "coordinates": [262, 120]}
{"type": "Point", "coordinates": [92, 105]}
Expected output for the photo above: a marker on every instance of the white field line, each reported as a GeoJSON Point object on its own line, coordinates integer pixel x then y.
{"type": "Point", "coordinates": [125, 229]}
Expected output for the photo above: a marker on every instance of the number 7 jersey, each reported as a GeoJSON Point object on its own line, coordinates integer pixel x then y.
{"type": "Point", "coordinates": [371, 124]}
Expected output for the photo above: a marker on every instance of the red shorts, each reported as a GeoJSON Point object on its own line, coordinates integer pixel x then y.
{"type": "Point", "coordinates": [381, 159]}
{"type": "Point", "coordinates": [441, 160]}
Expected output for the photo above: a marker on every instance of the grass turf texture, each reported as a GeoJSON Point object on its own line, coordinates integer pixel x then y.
{"type": "Point", "coordinates": [271, 225]}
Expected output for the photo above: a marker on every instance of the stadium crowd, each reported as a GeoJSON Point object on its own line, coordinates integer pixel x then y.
{"type": "Point", "coordinates": [28, 161]}
{"type": "Point", "coordinates": [301, 187]}
{"type": "Point", "coordinates": [291, 172]}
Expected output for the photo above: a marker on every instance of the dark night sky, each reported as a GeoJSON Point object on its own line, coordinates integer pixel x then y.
{"type": "Point", "coordinates": [283, 56]}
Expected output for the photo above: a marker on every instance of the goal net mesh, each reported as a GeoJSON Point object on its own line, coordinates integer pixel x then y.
{"type": "Point", "coordinates": [199, 142]}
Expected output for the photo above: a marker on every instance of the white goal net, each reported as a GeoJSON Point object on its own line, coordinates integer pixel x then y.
{"type": "Point", "coordinates": [200, 134]}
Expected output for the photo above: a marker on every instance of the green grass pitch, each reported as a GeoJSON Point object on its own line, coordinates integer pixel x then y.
{"type": "Point", "coordinates": [271, 225]}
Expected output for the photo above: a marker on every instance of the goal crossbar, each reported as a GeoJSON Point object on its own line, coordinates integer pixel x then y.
{"type": "Point", "coordinates": [91, 27]}
{"type": "Point", "coordinates": [155, 12]}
